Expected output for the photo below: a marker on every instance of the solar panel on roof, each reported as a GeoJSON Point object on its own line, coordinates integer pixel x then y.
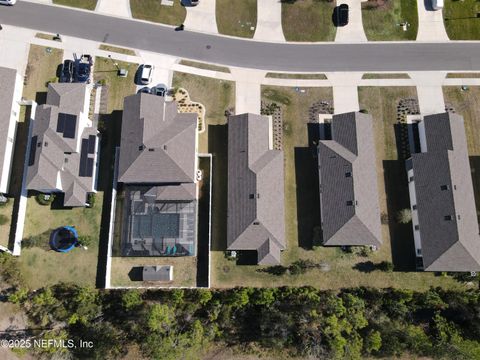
{"type": "Point", "coordinates": [89, 169]}
{"type": "Point", "coordinates": [33, 150]}
{"type": "Point", "coordinates": [70, 124]}
{"type": "Point", "coordinates": [83, 158]}
{"type": "Point", "coordinates": [61, 122]}
{"type": "Point", "coordinates": [91, 144]}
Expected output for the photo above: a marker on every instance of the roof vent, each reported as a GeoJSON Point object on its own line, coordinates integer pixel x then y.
{"type": "Point", "coordinates": [256, 223]}
{"type": "Point", "coordinates": [444, 187]}
{"type": "Point", "coordinates": [164, 147]}
{"type": "Point", "coordinates": [45, 144]}
{"type": "Point", "coordinates": [348, 174]}
{"type": "Point", "coordinates": [448, 217]}
{"type": "Point", "coordinates": [141, 147]}
{"type": "Point", "coordinates": [151, 149]}
{"type": "Point", "coordinates": [251, 196]}
{"type": "Point", "coordinates": [349, 203]}
{"type": "Point", "coordinates": [258, 196]}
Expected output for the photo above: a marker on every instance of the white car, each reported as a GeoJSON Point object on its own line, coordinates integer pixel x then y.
{"type": "Point", "coordinates": [437, 4]}
{"type": "Point", "coordinates": [146, 74]}
{"type": "Point", "coordinates": [8, 2]}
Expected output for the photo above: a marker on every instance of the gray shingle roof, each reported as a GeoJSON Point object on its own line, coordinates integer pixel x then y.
{"type": "Point", "coordinates": [255, 189]}
{"type": "Point", "coordinates": [55, 160]}
{"type": "Point", "coordinates": [7, 92]}
{"type": "Point", "coordinates": [158, 143]}
{"type": "Point", "coordinates": [349, 208]}
{"type": "Point", "coordinates": [447, 245]}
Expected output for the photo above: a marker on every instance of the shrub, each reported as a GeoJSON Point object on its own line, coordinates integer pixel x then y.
{"type": "Point", "coordinates": [386, 266]}
{"type": "Point", "coordinates": [3, 219]}
{"type": "Point", "coordinates": [45, 199]}
{"type": "Point", "coordinates": [91, 200]}
{"type": "Point", "coordinates": [404, 216]}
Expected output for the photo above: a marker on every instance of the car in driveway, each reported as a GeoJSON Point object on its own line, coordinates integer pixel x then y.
{"type": "Point", "coordinates": [145, 90]}
{"type": "Point", "coordinates": [437, 4]}
{"type": "Point", "coordinates": [159, 90]}
{"type": "Point", "coordinates": [68, 70]}
{"type": "Point", "coordinates": [146, 73]}
{"type": "Point", "coordinates": [340, 15]}
{"type": "Point", "coordinates": [83, 69]}
{"type": "Point", "coordinates": [8, 2]}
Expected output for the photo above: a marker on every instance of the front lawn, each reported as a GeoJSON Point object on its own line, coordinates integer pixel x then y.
{"type": "Point", "coordinates": [41, 266]}
{"type": "Point", "coordinates": [82, 4]}
{"type": "Point", "coordinates": [308, 20]}
{"type": "Point", "coordinates": [381, 19]}
{"type": "Point", "coordinates": [5, 221]}
{"type": "Point", "coordinates": [153, 10]}
{"type": "Point", "coordinates": [461, 19]}
{"type": "Point", "coordinates": [236, 18]}
{"type": "Point", "coordinates": [216, 95]}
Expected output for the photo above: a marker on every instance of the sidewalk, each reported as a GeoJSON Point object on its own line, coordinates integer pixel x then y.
{"type": "Point", "coordinates": [114, 7]}
{"type": "Point", "coordinates": [269, 21]}
{"type": "Point", "coordinates": [353, 31]}
{"type": "Point", "coordinates": [202, 17]}
{"type": "Point", "coordinates": [430, 24]}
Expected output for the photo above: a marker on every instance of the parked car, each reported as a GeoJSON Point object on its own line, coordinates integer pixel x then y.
{"type": "Point", "coordinates": [437, 4]}
{"type": "Point", "coordinates": [68, 68]}
{"type": "Point", "coordinates": [8, 2]}
{"type": "Point", "coordinates": [145, 90]}
{"type": "Point", "coordinates": [146, 72]}
{"type": "Point", "coordinates": [159, 90]}
{"type": "Point", "coordinates": [83, 69]}
{"type": "Point", "coordinates": [341, 15]}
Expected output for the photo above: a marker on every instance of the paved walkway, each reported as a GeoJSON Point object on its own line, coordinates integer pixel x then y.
{"type": "Point", "coordinates": [429, 91]}
{"type": "Point", "coordinates": [353, 32]}
{"type": "Point", "coordinates": [247, 90]}
{"type": "Point", "coordinates": [202, 17]}
{"type": "Point", "coordinates": [430, 23]}
{"type": "Point", "coordinates": [345, 91]}
{"type": "Point", "coordinates": [114, 7]}
{"type": "Point", "coordinates": [269, 21]}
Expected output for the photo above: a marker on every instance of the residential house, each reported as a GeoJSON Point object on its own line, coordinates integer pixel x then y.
{"type": "Point", "coordinates": [256, 215]}
{"type": "Point", "coordinates": [10, 95]}
{"type": "Point", "coordinates": [444, 216]}
{"type": "Point", "coordinates": [349, 207]}
{"type": "Point", "coordinates": [157, 167]}
{"type": "Point", "coordinates": [64, 145]}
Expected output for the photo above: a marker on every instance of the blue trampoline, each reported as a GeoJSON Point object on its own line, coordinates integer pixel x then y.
{"type": "Point", "coordinates": [64, 239]}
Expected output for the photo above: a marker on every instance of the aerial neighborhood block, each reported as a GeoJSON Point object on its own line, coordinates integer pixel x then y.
{"type": "Point", "coordinates": [349, 208]}
{"type": "Point", "coordinates": [444, 216]}
{"type": "Point", "coordinates": [256, 215]}
{"type": "Point", "coordinates": [158, 164]}
{"type": "Point", "coordinates": [10, 95]}
{"type": "Point", "coordinates": [63, 155]}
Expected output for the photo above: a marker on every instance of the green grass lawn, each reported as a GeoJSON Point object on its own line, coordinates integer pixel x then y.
{"type": "Point", "coordinates": [41, 266]}
{"type": "Point", "coordinates": [153, 10]}
{"type": "Point", "coordinates": [308, 20]}
{"type": "Point", "coordinates": [296, 76]}
{"type": "Point", "coordinates": [216, 95]}
{"type": "Point", "coordinates": [6, 210]}
{"type": "Point", "coordinates": [300, 210]}
{"type": "Point", "coordinates": [117, 49]}
{"type": "Point", "coordinates": [461, 21]}
{"type": "Point", "coordinates": [82, 4]}
{"type": "Point", "coordinates": [380, 22]}
{"type": "Point", "coordinates": [205, 66]}
{"type": "Point", "coordinates": [385, 76]}
{"type": "Point", "coordinates": [236, 18]}
{"type": "Point", "coordinates": [41, 67]}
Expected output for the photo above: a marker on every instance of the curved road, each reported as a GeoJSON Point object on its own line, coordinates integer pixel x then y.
{"type": "Point", "coordinates": [244, 53]}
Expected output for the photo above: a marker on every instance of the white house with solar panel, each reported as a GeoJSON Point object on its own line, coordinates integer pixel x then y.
{"type": "Point", "coordinates": [63, 154]}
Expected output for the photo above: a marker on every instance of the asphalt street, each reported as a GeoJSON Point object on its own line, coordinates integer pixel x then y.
{"type": "Point", "coordinates": [244, 53]}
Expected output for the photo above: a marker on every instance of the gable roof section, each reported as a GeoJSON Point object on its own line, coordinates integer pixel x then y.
{"type": "Point", "coordinates": [349, 206]}
{"type": "Point", "coordinates": [54, 163]}
{"type": "Point", "coordinates": [447, 245]}
{"type": "Point", "coordinates": [158, 143]}
{"type": "Point", "coordinates": [255, 189]}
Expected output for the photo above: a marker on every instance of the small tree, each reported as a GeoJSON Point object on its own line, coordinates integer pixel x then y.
{"type": "Point", "coordinates": [404, 216]}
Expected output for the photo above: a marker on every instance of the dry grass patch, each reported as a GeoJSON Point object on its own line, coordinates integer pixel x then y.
{"type": "Point", "coordinates": [117, 49]}
{"type": "Point", "coordinates": [296, 76]}
{"type": "Point", "coordinates": [205, 66]}
{"type": "Point", "coordinates": [6, 216]}
{"type": "Point", "coordinates": [385, 76]}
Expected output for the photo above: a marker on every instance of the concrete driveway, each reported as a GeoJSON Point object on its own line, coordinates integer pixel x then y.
{"type": "Point", "coordinates": [429, 91]}
{"type": "Point", "coordinates": [430, 23]}
{"type": "Point", "coordinates": [202, 17]}
{"type": "Point", "coordinates": [114, 7]}
{"type": "Point", "coordinates": [269, 21]}
{"type": "Point", "coordinates": [353, 31]}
